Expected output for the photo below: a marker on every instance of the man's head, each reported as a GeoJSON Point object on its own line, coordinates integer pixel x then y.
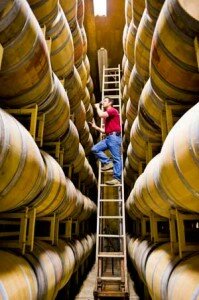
{"type": "Point", "coordinates": [107, 102]}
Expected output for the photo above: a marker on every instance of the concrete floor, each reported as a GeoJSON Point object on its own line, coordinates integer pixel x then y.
{"type": "Point", "coordinates": [86, 291]}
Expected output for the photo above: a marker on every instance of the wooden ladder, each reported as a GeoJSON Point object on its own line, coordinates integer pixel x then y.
{"type": "Point", "coordinates": [111, 232]}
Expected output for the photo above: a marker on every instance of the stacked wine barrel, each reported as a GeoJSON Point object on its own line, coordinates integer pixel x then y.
{"type": "Point", "coordinates": [171, 178]}
{"type": "Point", "coordinates": [162, 75]}
{"type": "Point", "coordinates": [31, 73]}
{"type": "Point", "coordinates": [32, 178]}
{"type": "Point", "coordinates": [26, 77]}
{"type": "Point", "coordinates": [132, 81]}
{"type": "Point", "coordinates": [164, 78]}
{"type": "Point", "coordinates": [43, 272]}
{"type": "Point", "coordinates": [166, 275]}
{"type": "Point", "coordinates": [83, 111]}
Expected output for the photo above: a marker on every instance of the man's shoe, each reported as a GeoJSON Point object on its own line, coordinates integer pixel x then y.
{"type": "Point", "coordinates": [107, 166]}
{"type": "Point", "coordinates": [113, 181]}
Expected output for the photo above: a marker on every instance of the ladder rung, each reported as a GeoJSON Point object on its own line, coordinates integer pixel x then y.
{"type": "Point", "coordinates": [111, 75]}
{"type": "Point", "coordinates": [115, 98]}
{"type": "Point", "coordinates": [110, 200]}
{"type": "Point", "coordinates": [111, 89]}
{"type": "Point", "coordinates": [111, 217]}
{"type": "Point", "coordinates": [111, 254]}
{"type": "Point", "coordinates": [116, 185]}
{"type": "Point", "coordinates": [116, 105]}
{"type": "Point", "coordinates": [115, 92]}
{"type": "Point", "coordinates": [110, 278]}
{"type": "Point", "coordinates": [111, 82]}
{"type": "Point", "coordinates": [112, 96]}
{"type": "Point", "coordinates": [106, 171]}
{"type": "Point", "coordinates": [111, 235]}
{"type": "Point", "coordinates": [110, 69]}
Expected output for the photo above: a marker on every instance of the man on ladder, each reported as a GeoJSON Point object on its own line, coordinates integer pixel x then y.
{"type": "Point", "coordinates": [112, 140]}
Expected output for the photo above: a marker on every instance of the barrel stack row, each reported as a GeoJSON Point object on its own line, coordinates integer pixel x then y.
{"type": "Point", "coordinates": [163, 80]}
{"type": "Point", "coordinates": [43, 272]}
{"type": "Point", "coordinates": [74, 12]}
{"type": "Point", "coordinates": [29, 73]}
{"type": "Point", "coordinates": [140, 36]}
{"type": "Point", "coordinates": [27, 78]}
{"type": "Point", "coordinates": [134, 11]}
{"type": "Point", "coordinates": [34, 178]}
{"type": "Point", "coordinates": [163, 76]}
{"type": "Point", "coordinates": [170, 182]}
{"type": "Point", "coordinates": [69, 47]}
{"type": "Point", "coordinates": [171, 177]}
{"type": "Point", "coordinates": [167, 276]}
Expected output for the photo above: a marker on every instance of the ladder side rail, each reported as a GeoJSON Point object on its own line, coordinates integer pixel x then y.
{"type": "Point", "coordinates": [100, 253]}
{"type": "Point", "coordinates": [98, 246]}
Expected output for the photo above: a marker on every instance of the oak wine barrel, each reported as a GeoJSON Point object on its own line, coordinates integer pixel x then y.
{"type": "Point", "coordinates": [57, 112]}
{"type": "Point", "coordinates": [174, 68]}
{"type": "Point", "coordinates": [28, 66]}
{"type": "Point", "coordinates": [17, 278]}
{"type": "Point", "coordinates": [62, 49]}
{"type": "Point", "coordinates": [22, 170]}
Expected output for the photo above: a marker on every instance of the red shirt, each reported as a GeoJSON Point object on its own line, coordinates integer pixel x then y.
{"type": "Point", "coordinates": [112, 122]}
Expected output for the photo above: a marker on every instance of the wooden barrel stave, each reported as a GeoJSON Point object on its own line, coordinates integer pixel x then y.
{"type": "Point", "coordinates": [185, 271]}
{"type": "Point", "coordinates": [70, 143]}
{"type": "Point", "coordinates": [79, 161]}
{"type": "Point", "coordinates": [80, 117]}
{"type": "Point", "coordinates": [135, 86]}
{"type": "Point", "coordinates": [152, 192]}
{"type": "Point", "coordinates": [57, 112]}
{"type": "Point", "coordinates": [128, 11]}
{"type": "Point", "coordinates": [80, 12]}
{"type": "Point", "coordinates": [70, 9]}
{"type": "Point", "coordinates": [73, 86]}
{"type": "Point", "coordinates": [54, 192]}
{"type": "Point", "coordinates": [87, 65]}
{"type": "Point", "coordinates": [173, 59]}
{"type": "Point", "coordinates": [152, 105]}
{"type": "Point", "coordinates": [88, 209]}
{"type": "Point", "coordinates": [89, 113]}
{"type": "Point", "coordinates": [130, 42]}
{"type": "Point", "coordinates": [62, 49]}
{"type": "Point", "coordinates": [45, 11]}
{"type": "Point", "coordinates": [84, 42]}
{"type": "Point", "coordinates": [67, 207]}
{"type": "Point", "coordinates": [124, 43]}
{"type": "Point", "coordinates": [90, 85]}
{"type": "Point", "coordinates": [47, 266]}
{"type": "Point", "coordinates": [180, 162]}
{"type": "Point", "coordinates": [20, 156]}
{"type": "Point", "coordinates": [79, 205]}
{"type": "Point", "coordinates": [137, 141]}
{"type": "Point", "coordinates": [154, 7]}
{"type": "Point", "coordinates": [32, 86]}
{"type": "Point", "coordinates": [78, 251]}
{"type": "Point", "coordinates": [86, 98]}
{"type": "Point", "coordinates": [17, 278]}
{"type": "Point", "coordinates": [143, 45]}
{"type": "Point", "coordinates": [83, 74]}
{"type": "Point", "coordinates": [68, 261]}
{"type": "Point", "coordinates": [138, 8]}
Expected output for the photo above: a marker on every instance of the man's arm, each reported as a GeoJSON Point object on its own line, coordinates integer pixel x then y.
{"type": "Point", "coordinates": [102, 130]}
{"type": "Point", "coordinates": [100, 112]}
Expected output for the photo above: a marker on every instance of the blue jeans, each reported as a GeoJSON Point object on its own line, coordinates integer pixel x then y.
{"type": "Point", "coordinates": [113, 144]}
